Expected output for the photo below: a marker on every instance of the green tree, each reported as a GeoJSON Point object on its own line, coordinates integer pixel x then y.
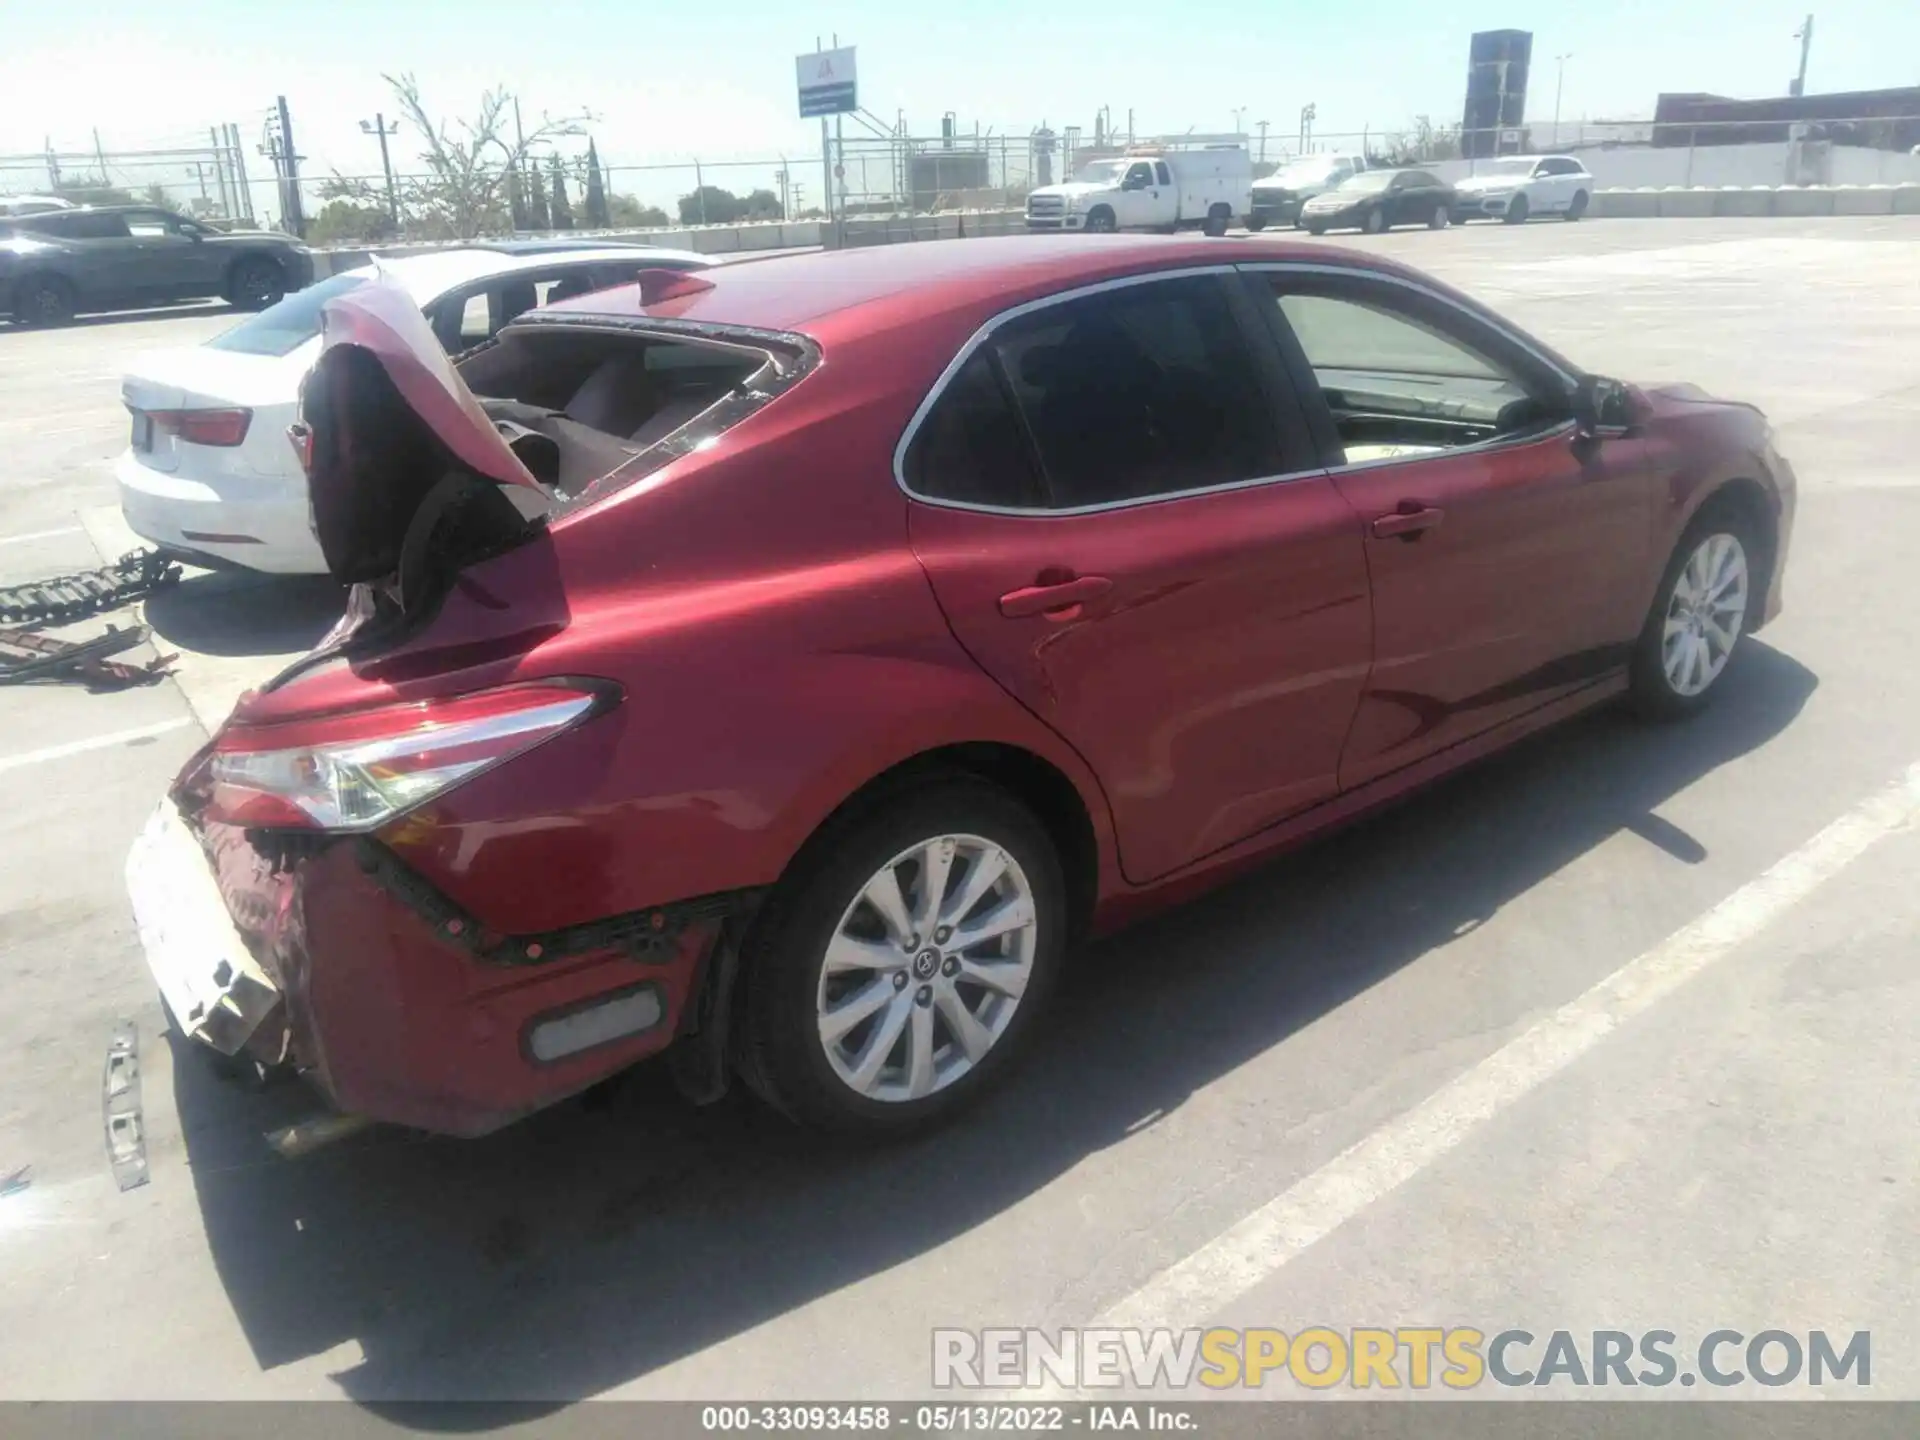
{"type": "Point", "coordinates": [516, 199]}
{"type": "Point", "coordinates": [710, 205]}
{"type": "Point", "coordinates": [345, 221]}
{"type": "Point", "coordinates": [625, 212]}
{"type": "Point", "coordinates": [560, 208]}
{"type": "Point", "coordinates": [598, 216]}
{"type": "Point", "coordinates": [537, 217]}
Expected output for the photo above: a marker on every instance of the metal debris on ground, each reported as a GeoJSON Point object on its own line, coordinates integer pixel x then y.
{"type": "Point", "coordinates": [120, 1107]}
{"type": "Point", "coordinates": [67, 598]}
{"type": "Point", "coordinates": [28, 655]}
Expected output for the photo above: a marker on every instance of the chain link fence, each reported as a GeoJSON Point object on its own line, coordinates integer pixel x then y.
{"type": "Point", "coordinates": [209, 182]}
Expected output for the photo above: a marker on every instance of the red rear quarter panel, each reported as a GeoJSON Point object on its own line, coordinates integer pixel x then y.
{"type": "Point", "coordinates": [776, 640]}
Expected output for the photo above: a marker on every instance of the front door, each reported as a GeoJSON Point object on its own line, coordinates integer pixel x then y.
{"type": "Point", "coordinates": [169, 261]}
{"type": "Point", "coordinates": [1501, 544]}
{"type": "Point", "coordinates": [1130, 531]}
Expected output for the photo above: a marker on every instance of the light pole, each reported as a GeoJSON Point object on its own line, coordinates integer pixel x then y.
{"type": "Point", "coordinates": [1559, 79]}
{"type": "Point", "coordinates": [1239, 113]}
{"type": "Point", "coordinates": [1261, 125]}
{"type": "Point", "coordinates": [379, 126]}
{"type": "Point", "coordinates": [1805, 36]}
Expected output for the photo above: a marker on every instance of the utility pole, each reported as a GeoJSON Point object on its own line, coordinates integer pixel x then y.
{"type": "Point", "coordinates": [101, 155]}
{"type": "Point", "coordinates": [1559, 79]}
{"type": "Point", "coordinates": [1261, 125]}
{"type": "Point", "coordinates": [1307, 113]}
{"type": "Point", "coordinates": [520, 153]}
{"type": "Point", "coordinates": [242, 189]}
{"type": "Point", "coordinates": [780, 175]}
{"type": "Point", "coordinates": [293, 214]}
{"type": "Point", "coordinates": [379, 126]}
{"type": "Point", "coordinates": [1805, 36]}
{"type": "Point", "coordinates": [227, 208]}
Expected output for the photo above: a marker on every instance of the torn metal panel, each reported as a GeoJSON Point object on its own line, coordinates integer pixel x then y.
{"type": "Point", "coordinates": [120, 1106]}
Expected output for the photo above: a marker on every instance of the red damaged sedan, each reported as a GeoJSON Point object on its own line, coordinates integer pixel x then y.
{"type": "Point", "coordinates": [783, 667]}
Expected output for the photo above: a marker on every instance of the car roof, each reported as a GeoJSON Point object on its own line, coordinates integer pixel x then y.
{"type": "Point", "coordinates": [833, 294]}
{"type": "Point", "coordinates": [435, 272]}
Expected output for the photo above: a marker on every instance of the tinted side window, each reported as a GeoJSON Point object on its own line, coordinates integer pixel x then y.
{"type": "Point", "coordinates": [1139, 391]}
{"type": "Point", "coordinates": [971, 447]}
{"type": "Point", "coordinates": [1164, 175]}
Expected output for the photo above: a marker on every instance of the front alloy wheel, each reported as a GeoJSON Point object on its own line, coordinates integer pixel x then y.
{"type": "Point", "coordinates": [1705, 612]}
{"type": "Point", "coordinates": [926, 968]}
{"type": "Point", "coordinates": [1699, 617]}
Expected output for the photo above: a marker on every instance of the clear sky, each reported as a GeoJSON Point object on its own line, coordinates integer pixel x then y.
{"type": "Point", "coordinates": [674, 81]}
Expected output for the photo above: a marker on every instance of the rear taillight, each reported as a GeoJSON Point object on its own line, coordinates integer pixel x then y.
{"type": "Point", "coordinates": [224, 428]}
{"type": "Point", "coordinates": [358, 771]}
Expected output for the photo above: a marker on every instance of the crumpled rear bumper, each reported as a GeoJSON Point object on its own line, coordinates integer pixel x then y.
{"type": "Point", "coordinates": [327, 953]}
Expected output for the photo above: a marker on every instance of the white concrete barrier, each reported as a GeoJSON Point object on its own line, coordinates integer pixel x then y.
{"type": "Point", "coordinates": [1906, 200]}
{"type": "Point", "coordinates": [1863, 200]}
{"type": "Point", "coordinates": [1802, 200]}
{"type": "Point", "coordinates": [1686, 204]}
{"type": "Point", "coordinates": [1625, 204]}
{"type": "Point", "coordinates": [1743, 200]}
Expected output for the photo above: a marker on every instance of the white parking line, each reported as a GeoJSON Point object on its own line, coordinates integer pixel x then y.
{"type": "Point", "coordinates": [1190, 1290]}
{"type": "Point", "coordinates": [98, 742]}
{"type": "Point", "coordinates": [40, 535]}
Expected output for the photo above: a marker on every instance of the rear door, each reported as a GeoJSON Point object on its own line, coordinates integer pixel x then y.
{"type": "Point", "coordinates": [1504, 548]}
{"type": "Point", "coordinates": [1127, 525]}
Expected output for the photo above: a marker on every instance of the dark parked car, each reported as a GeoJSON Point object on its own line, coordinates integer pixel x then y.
{"type": "Point", "coordinates": [784, 664]}
{"type": "Point", "coordinates": [59, 263]}
{"type": "Point", "coordinates": [1377, 200]}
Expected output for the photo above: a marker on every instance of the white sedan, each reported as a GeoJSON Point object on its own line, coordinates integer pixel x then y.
{"type": "Point", "coordinates": [1515, 188]}
{"type": "Point", "coordinates": [210, 473]}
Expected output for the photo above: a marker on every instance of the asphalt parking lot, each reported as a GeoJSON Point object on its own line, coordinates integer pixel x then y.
{"type": "Point", "coordinates": [1359, 1056]}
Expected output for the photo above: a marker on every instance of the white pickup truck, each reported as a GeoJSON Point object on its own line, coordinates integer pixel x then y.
{"type": "Point", "coordinates": [1207, 186]}
{"type": "Point", "coordinates": [1278, 197]}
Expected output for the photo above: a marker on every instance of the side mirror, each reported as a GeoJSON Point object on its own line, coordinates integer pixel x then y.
{"type": "Point", "coordinates": [1602, 408]}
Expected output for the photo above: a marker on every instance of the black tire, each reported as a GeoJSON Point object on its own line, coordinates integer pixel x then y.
{"type": "Point", "coordinates": [1651, 693]}
{"type": "Point", "coordinates": [1579, 205]}
{"type": "Point", "coordinates": [1517, 211]}
{"type": "Point", "coordinates": [1440, 219]}
{"type": "Point", "coordinates": [1299, 222]}
{"type": "Point", "coordinates": [43, 300]}
{"type": "Point", "coordinates": [1256, 223]}
{"type": "Point", "coordinates": [1100, 221]}
{"type": "Point", "coordinates": [256, 282]}
{"type": "Point", "coordinates": [1375, 222]}
{"type": "Point", "coordinates": [1218, 219]}
{"type": "Point", "coordinates": [780, 1053]}
{"type": "Point", "coordinates": [1315, 228]}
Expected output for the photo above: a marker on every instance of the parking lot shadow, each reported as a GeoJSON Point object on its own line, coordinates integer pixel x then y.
{"type": "Point", "coordinates": [238, 612]}
{"type": "Point", "coordinates": [611, 1236]}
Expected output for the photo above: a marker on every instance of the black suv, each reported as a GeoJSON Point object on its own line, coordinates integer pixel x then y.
{"type": "Point", "coordinates": [111, 257]}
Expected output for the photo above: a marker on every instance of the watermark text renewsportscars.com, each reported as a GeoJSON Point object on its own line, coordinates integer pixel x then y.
{"type": "Point", "coordinates": [1398, 1358]}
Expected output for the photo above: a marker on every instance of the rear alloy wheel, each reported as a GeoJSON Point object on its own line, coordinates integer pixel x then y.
{"type": "Point", "coordinates": [1698, 619]}
{"type": "Point", "coordinates": [1517, 211]}
{"type": "Point", "coordinates": [1578, 207]}
{"type": "Point", "coordinates": [257, 283]}
{"type": "Point", "coordinates": [898, 976]}
{"type": "Point", "coordinates": [1314, 227]}
{"type": "Point", "coordinates": [1440, 219]}
{"type": "Point", "coordinates": [43, 300]}
{"type": "Point", "coordinates": [1375, 222]}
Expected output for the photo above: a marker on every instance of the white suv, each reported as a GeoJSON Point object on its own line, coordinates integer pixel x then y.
{"type": "Point", "coordinates": [1516, 187]}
